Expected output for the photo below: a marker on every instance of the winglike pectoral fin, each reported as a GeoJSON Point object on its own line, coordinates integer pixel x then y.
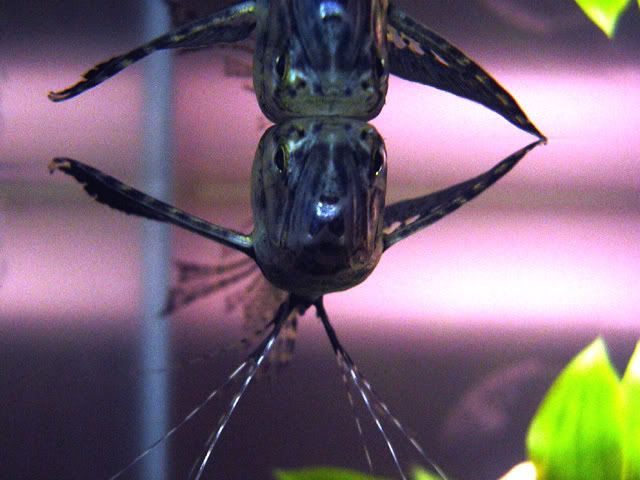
{"type": "Point", "coordinates": [110, 191]}
{"type": "Point", "coordinates": [420, 55]}
{"type": "Point", "coordinates": [404, 218]}
{"type": "Point", "coordinates": [230, 25]}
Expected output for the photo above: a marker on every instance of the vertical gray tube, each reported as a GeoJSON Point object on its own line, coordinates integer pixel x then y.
{"type": "Point", "coordinates": [157, 154]}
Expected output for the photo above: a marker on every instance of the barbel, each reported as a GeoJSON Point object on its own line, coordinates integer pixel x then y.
{"type": "Point", "coordinates": [320, 225]}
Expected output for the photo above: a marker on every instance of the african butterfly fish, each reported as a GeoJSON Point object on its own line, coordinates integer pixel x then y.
{"type": "Point", "coordinates": [318, 183]}
{"type": "Point", "coordinates": [320, 225]}
{"type": "Point", "coordinates": [330, 57]}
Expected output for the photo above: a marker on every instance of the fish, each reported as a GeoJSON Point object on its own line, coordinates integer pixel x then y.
{"type": "Point", "coordinates": [320, 225]}
{"type": "Point", "coordinates": [327, 57]}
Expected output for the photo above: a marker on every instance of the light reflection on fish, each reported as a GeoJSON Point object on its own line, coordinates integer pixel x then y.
{"type": "Point", "coordinates": [320, 226]}
{"type": "Point", "coordinates": [330, 57]}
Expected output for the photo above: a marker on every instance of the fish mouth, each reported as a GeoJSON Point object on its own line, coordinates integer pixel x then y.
{"type": "Point", "coordinates": [334, 229]}
{"type": "Point", "coordinates": [324, 258]}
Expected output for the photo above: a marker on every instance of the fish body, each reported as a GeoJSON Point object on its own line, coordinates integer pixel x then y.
{"type": "Point", "coordinates": [320, 226]}
{"type": "Point", "coordinates": [318, 193]}
{"type": "Point", "coordinates": [325, 57]}
{"type": "Point", "coordinates": [320, 71]}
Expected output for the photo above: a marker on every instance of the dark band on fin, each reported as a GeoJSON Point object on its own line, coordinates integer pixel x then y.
{"type": "Point", "coordinates": [230, 25]}
{"type": "Point", "coordinates": [420, 55]}
{"type": "Point", "coordinates": [404, 218]}
{"type": "Point", "coordinates": [112, 192]}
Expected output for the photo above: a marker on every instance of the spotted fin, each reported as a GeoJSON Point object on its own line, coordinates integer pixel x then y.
{"type": "Point", "coordinates": [229, 25]}
{"type": "Point", "coordinates": [112, 192]}
{"type": "Point", "coordinates": [420, 55]}
{"type": "Point", "coordinates": [244, 374]}
{"type": "Point", "coordinates": [254, 361]}
{"type": "Point", "coordinates": [404, 218]}
{"type": "Point", "coordinates": [189, 271]}
{"type": "Point", "coordinates": [282, 352]}
{"type": "Point", "coordinates": [187, 292]}
{"type": "Point", "coordinates": [256, 298]}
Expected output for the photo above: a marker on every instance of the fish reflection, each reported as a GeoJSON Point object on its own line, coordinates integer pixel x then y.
{"type": "Point", "coordinates": [328, 57]}
{"type": "Point", "coordinates": [320, 226]}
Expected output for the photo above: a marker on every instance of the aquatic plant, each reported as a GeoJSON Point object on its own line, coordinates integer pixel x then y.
{"type": "Point", "coordinates": [605, 13]}
{"type": "Point", "coordinates": [587, 427]}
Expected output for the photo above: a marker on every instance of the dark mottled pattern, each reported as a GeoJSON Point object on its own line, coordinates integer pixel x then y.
{"type": "Point", "coordinates": [230, 25]}
{"type": "Point", "coordinates": [317, 221]}
{"type": "Point", "coordinates": [183, 295]}
{"type": "Point", "coordinates": [420, 55]}
{"type": "Point", "coordinates": [320, 58]}
{"type": "Point", "coordinates": [291, 240]}
{"type": "Point", "coordinates": [307, 64]}
{"type": "Point", "coordinates": [404, 218]}
{"type": "Point", "coordinates": [109, 191]}
{"type": "Point", "coordinates": [277, 331]}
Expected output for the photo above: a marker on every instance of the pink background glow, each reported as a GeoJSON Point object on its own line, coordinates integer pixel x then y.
{"type": "Point", "coordinates": [469, 319]}
{"type": "Point", "coordinates": [556, 239]}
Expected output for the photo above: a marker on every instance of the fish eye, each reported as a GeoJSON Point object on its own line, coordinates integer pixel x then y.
{"type": "Point", "coordinates": [378, 161]}
{"type": "Point", "coordinates": [281, 65]}
{"type": "Point", "coordinates": [281, 158]}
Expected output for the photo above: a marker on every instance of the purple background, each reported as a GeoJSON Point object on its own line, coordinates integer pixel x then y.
{"type": "Point", "coordinates": [460, 329]}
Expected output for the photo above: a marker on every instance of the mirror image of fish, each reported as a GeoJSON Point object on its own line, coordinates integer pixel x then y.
{"type": "Point", "coordinates": [328, 58]}
{"type": "Point", "coordinates": [320, 226]}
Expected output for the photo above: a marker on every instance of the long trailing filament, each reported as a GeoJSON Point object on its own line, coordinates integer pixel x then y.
{"type": "Point", "coordinates": [369, 397]}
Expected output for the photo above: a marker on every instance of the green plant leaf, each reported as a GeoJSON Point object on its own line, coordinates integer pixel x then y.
{"type": "Point", "coordinates": [421, 474]}
{"type": "Point", "coordinates": [322, 473]}
{"type": "Point", "coordinates": [604, 13]}
{"type": "Point", "coordinates": [631, 397]}
{"type": "Point", "coordinates": [577, 432]}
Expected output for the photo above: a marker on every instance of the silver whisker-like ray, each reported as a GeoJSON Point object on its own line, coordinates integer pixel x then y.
{"type": "Point", "coordinates": [320, 69]}
{"type": "Point", "coordinates": [182, 422]}
{"type": "Point", "coordinates": [346, 365]}
{"type": "Point", "coordinates": [320, 226]}
{"type": "Point", "coordinates": [256, 359]}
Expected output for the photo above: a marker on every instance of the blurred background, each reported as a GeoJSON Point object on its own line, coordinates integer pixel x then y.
{"type": "Point", "coordinates": [461, 328]}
